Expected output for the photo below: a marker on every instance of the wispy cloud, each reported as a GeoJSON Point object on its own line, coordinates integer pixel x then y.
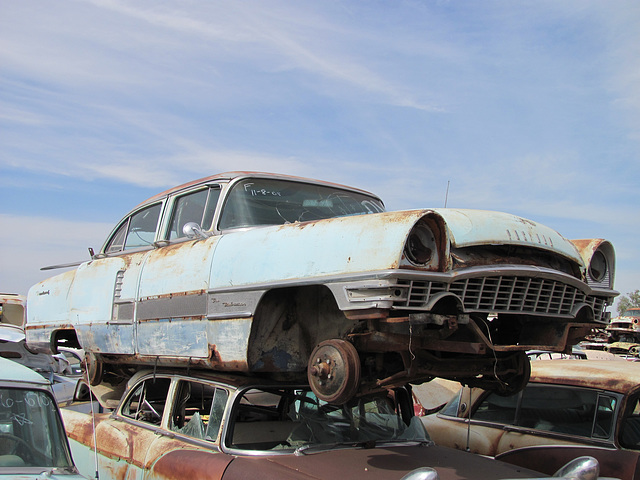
{"type": "Point", "coordinates": [531, 107]}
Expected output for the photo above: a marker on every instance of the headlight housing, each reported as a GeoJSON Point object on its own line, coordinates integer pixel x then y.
{"type": "Point", "coordinates": [421, 247]}
{"type": "Point", "coordinates": [598, 268]}
{"type": "Point", "coordinates": [599, 260]}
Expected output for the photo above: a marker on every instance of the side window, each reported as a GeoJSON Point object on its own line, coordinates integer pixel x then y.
{"type": "Point", "coordinates": [198, 410]}
{"type": "Point", "coordinates": [197, 207]}
{"type": "Point", "coordinates": [117, 241]}
{"type": "Point", "coordinates": [558, 409]}
{"type": "Point", "coordinates": [142, 227]}
{"type": "Point", "coordinates": [605, 415]}
{"type": "Point", "coordinates": [139, 230]}
{"type": "Point", "coordinates": [146, 403]}
{"type": "Point", "coordinates": [451, 408]}
{"type": "Point", "coordinates": [630, 425]}
{"type": "Point", "coordinates": [495, 408]}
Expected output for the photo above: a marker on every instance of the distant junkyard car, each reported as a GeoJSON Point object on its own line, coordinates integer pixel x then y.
{"type": "Point", "coordinates": [12, 309]}
{"type": "Point", "coordinates": [569, 408]}
{"type": "Point", "coordinates": [170, 425]}
{"type": "Point", "coordinates": [295, 278]}
{"type": "Point", "coordinates": [624, 333]}
{"type": "Point", "coordinates": [33, 444]}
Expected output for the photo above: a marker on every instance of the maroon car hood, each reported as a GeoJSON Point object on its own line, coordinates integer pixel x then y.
{"type": "Point", "coordinates": [376, 463]}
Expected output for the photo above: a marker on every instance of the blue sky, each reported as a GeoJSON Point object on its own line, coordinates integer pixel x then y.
{"type": "Point", "coordinates": [529, 107]}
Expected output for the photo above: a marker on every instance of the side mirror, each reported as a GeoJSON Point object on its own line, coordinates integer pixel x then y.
{"type": "Point", "coordinates": [581, 468]}
{"type": "Point", "coordinates": [193, 230]}
{"type": "Point", "coordinates": [422, 473]}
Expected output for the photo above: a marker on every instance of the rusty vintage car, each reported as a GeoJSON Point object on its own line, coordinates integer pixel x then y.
{"type": "Point", "coordinates": [569, 408]}
{"type": "Point", "coordinates": [170, 425]}
{"type": "Point", "coordinates": [33, 444]}
{"type": "Point", "coordinates": [624, 333]}
{"type": "Point", "coordinates": [297, 278]}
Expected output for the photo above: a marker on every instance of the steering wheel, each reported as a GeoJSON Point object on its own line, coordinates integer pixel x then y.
{"type": "Point", "coordinates": [17, 442]}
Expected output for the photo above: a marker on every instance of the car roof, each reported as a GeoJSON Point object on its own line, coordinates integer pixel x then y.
{"type": "Point", "coordinates": [233, 175]}
{"type": "Point", "coordinates": [615, 376]}
{"type": "Point", "coordinates": [230, 379]}
{"type": "Point", "coordinates": [13, 372]}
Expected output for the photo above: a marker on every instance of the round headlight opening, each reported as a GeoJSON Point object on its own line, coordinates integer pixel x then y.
{"type": "Point", "coordinates": [598, 267]}
{"type": "Point", "coordinates": [420, 245]}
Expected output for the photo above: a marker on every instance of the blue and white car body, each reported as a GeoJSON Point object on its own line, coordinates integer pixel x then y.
{"type": "Point", "coordinates": [283, 276]}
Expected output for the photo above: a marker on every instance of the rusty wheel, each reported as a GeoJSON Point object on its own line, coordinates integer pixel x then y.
{"type": "Point", "coordinates": [94, 369]}
{"type": "Point", "coordinates": [334, 371]}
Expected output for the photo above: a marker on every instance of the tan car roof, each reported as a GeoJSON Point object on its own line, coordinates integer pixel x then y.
{"type": "Point", "coordinates": [232, 175]}
{"type": "Point", "coordinates": [614, 376]}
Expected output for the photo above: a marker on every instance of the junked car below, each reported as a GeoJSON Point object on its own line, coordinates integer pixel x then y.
{"type": "Point", "coordinates": [295, 278]}
{"type": "Point", "coordinates": [569, 408]}
{"type": "Point", "coordinates": [33, 444]}
{"type": "Point", "coordinates": [170, 425]}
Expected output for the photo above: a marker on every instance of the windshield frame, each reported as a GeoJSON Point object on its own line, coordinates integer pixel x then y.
{"type": "Point", "coordinates": [34, 407]}
{"type": "Point", "coordinates": [365, 422]}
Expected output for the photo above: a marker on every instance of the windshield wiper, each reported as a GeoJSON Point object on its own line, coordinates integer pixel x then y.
{"type": "Point", "coordinates": [367, 444]}
{"type": "Point", "coordinates": [314, 447]}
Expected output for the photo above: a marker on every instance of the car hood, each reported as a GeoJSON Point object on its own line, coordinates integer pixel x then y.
{"type": "Point", "coordinates": [481, 227]}
{"type": "Point", "coordinates": [377, 463]}
{"type": "Point", "coordinates": [362, 243]}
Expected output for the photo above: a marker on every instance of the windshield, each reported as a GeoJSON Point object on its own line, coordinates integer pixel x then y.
{"type": "Point", "coordinates": [31, 433]}
{"type": "Point", "coordinates": [295, 419]}
{"type": "Point", "coordinates": [259, 201]}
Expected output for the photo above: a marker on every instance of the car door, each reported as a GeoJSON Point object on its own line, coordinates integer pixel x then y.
{"type": "Point", "coordinates": [104, 290]}
{"type": "Point", "coordinates": [489, 423]}
{"type": "Point", "coordinates": [190, 443]}
{"type": "Point", "coordinates": [171, 309]}
{"type": "Point", "coordinates": [123, 439]}
{"type": "Point", "coordinates": [489, 417]}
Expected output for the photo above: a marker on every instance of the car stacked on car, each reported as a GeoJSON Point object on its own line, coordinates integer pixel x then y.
{"type": "Point", "coordinates": [302, 282]}
{"type": "Point", "coordinates": [170, 425]}
{"type": "Point", "coordinates": [280, 276]}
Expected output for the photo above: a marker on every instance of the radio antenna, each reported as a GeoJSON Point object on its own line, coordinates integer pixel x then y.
{"type": "Point", "coordinates": [446, 196]}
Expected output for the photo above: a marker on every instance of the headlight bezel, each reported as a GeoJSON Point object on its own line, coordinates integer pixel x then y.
{"type": "Point", "coordinates": [421, 246]}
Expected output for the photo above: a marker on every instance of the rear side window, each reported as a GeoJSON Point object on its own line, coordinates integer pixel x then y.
{"type": "Point", "coordinates": [137, 231]}
{"type": "Point", "coordinates": [630, 426]}
{"type": "Point", "coordinates": [574, 411]}
{"type": "Point", "coordinates": [498, 409]}
{"type": "Point", "coordinates": [198, 410]}
{"type": "Point", "coordinates": [557, 409]}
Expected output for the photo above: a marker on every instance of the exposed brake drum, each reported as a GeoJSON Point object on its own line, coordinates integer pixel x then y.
{"type": "Point", "coordinates": [333, 371]}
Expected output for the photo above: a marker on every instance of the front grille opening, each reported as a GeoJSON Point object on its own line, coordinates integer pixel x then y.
{"type": "Point", "coordinates": [505, 294]}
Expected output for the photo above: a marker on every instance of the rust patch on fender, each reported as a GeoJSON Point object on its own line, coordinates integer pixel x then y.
{"type": "Point", "coordinates": [191, 464]}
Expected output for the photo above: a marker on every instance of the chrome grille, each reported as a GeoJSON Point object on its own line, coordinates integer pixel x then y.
{"type": "Point", "coordinates": [505, 294]}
